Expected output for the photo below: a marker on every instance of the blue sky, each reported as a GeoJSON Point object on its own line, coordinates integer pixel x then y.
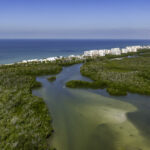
{"type": "Point", "coordinates": [112, 19]}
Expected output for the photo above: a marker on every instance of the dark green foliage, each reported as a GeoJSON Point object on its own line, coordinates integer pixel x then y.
{"type": "Point", "coordinates": [78, 84]}
{"type": "Point", "coordinates": [122, 55]}
{"type": "Point", "coordinates": [69, 62]}
{"type": "Point", "coordinates": [37, 85]}
{"type": "Point", "coordinates": [86, 84]}
{"type": "Point", "coordinates": [118, 76]}
{"type": "Point", "coordinates": [51, 79]}
{"type": "Point", "coordinates": [25, 122]}
{"type": "Point", "coordinates": [146, 50]}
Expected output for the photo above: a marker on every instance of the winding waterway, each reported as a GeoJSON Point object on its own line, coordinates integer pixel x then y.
{"type": "Point", "coordinates": [85, 119]}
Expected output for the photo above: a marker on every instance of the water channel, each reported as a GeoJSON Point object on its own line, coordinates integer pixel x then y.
{"type": "Point", "coordinates": [85, 119]}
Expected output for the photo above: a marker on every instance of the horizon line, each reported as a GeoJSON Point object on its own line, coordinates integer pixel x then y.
{"type": "Point", "coordinates": [74, 39]}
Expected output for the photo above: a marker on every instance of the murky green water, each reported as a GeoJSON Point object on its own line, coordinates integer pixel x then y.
{"type": "Point", "coordinates": [93, 120]}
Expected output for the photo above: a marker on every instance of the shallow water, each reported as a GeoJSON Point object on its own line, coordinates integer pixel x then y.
{"type": "Point", "coordinates": [91, 119]}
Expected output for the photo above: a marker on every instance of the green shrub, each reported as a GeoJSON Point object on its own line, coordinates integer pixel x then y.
{"type": "Point", "coordinates": [25, 122]}
{"type": "Point", "coordinates": [51, 79]}
{"type": "Point", "coordinates": [118, 76]}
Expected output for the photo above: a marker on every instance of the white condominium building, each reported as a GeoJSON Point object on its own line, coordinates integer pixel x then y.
{"type": "Point", "coordinates": [115, 51]}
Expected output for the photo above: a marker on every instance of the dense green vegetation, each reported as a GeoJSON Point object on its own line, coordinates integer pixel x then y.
{"type": "Point", "coordinates": [69, 61]}
{"type": "Point", "coordinates": [85, 84]}
{"type": "Point", "coordinates": [51, 79]}
{"type": "Point", "coordinates": [118, 76]}
{"type": "Point", "coordinates": [25, 123]}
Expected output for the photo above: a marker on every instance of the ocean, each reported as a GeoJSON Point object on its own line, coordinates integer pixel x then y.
{"type": "Point", "coordinates": [17, 50]}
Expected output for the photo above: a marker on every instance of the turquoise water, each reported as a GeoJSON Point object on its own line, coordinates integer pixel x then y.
{"type": "Point", "coordinates": [16, 50]}
{"type": "Point", "coordinates": [91, 119]}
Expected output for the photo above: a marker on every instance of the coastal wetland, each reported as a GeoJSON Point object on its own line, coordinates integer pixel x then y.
{"type": "Point", "coordinates": [85, 119]}
{"type": "Point", "coordinates": [96, 110]}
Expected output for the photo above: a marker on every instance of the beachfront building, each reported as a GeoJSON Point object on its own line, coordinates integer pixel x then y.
{"type": "Point", "coordinates": [146, 47]}
{"type": "Point", "coordinates": [124, 51]}
{"type": "Point", "coordinates": [51, 58]}
{"type": "Point", "coordinates": [101, 53]}
{"type": "Point", "coordinates": [115, 51]}
{"type": "Point", "coordinates": [131, 49]}
{"type": "Point", "coordinates": [91, 53]}
{"type": "Point", "coordinates": [94, 53]}
{"type": "Point", "coordinates": [87, 53]}
{"type": "Point", "coordinates": [107, 51]}
{"type": "Point", "coordinates": [79, 56]}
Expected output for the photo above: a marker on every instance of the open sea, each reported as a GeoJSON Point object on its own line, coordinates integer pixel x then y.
{"type": "Point", "coordinates": [16, 50]}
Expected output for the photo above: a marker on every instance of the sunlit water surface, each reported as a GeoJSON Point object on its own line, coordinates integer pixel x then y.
{"type": "Point", "coordinates": [93, 120]}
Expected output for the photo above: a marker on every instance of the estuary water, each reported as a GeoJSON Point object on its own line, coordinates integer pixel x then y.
{"type": "Point", "coordinates": [85, 119]}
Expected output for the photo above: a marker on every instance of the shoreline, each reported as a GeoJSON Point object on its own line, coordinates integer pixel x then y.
{"type": "Point", "coordinates": [87, 54]}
